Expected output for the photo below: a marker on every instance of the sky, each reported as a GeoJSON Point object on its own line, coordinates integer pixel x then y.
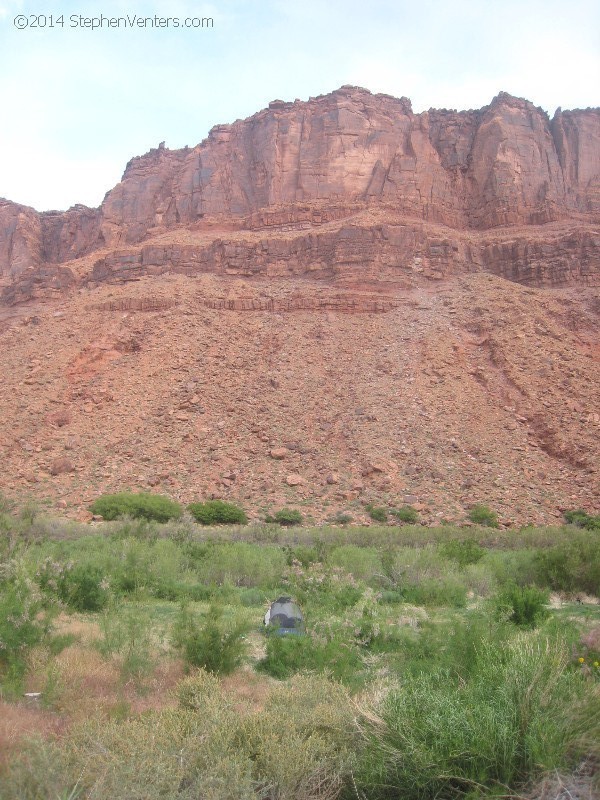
{"type": "Point", "coordinates": [77, 103]}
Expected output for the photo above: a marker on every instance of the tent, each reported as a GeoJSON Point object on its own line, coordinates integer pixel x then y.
{"type": "Point", "coordinates": [284, 617]}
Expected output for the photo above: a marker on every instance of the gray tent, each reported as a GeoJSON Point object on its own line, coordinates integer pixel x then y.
{"type": "Point", "coordinates": [284, 617]}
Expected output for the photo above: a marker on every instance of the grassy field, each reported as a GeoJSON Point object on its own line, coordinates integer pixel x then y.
{"type": "Point", "coordinates": [438, 662]}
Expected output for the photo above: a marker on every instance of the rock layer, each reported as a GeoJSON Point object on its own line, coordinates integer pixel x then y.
{"type": "Point", "coordinates": [393, 255]}
{"type": "Point", "coordinates": [384, 256]}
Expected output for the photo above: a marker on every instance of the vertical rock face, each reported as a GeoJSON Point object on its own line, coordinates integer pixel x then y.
{"type": "Point", "coordinates": [506, 164]}
{"type": "Point", "coordinates": [515, 173]}
{"type": "Point", "coordinates": [576, 139]}
{"type": "Point", "coordinates": [70, 234]}
{"type": "Point", "coordinates": [20, 238]}
{"type": "Point", "coordinates": [29, 239]}
{"type": "Point", "coordinates": [145, 198]}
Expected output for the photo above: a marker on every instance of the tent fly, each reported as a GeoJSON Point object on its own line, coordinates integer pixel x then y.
{"type": "Point", "coordinates": [284, 617]}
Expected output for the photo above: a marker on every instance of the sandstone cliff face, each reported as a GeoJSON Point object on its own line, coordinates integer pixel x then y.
{"type": "Point", "coordinates": [70, 234]}
{"type": "Point", "coordinates": [501, 165]}
{"type": "Point", "coordinates": [506, 164]}
{"type": "Point", "coordinates": [575, 136]}
{"type": "Point", "coordinates": [29, 239]}
{"type": "Point", "coordinates": [20, 238]}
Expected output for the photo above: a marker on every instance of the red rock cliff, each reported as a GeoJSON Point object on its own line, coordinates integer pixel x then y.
{"type": "Point", "coordinates": [506, 164]}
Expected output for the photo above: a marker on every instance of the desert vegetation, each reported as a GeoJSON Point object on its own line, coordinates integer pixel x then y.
{"type": "Point", "coordinates": [438, 662]}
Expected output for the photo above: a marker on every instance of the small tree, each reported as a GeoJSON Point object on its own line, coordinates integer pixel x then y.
{"type": "Point", "coordinates": [84, 587]}
{"type": "Point", "coordinates": [23, 624]}
{"type": "Point", "coordinates": [464, 552]}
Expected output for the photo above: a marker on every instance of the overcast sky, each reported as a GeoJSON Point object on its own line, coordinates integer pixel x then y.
{"type": "Point", "coordinates": [77, 103]}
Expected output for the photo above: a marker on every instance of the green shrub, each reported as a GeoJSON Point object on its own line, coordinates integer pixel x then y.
{"type": "Point", "coordinates": [160, 755]}
{"type": "Point", "coordinates": [200, 691]}
{"type": "Point", "coordinates": [327, 588]}
{"type": "Point", "coordinates": [522, 605]}
{"type": "Point", "coordinates": [303, 555]}
{"type": "Point", "coordinates": [340, 518]}
{"type": "Point", "coordinates": [143, 505]}
{"type": "Point", "coordinates": [29, 512]}
{"type": "Point", "coordinates": [288, 517]}
{"type": "Point", "coordinates": [154, 566]}
{"type": "Point", "coordinates": [84, 588]}
{"type": "Point", "coordinates": [145, 530]}
{"type": "Point", "coordinates": [209, 645]}
{"type": "Point", "coordinates": [370, 635]}
{"type": "Point", "coordinates": [134, 567]}
{"type": "Point", "coordinates": [360, 562]}
{"type": "Point", "coordinates": [23, 624]}
{"type": "Point", "coordinates": [512, 566]}
{"type": "Point", "coordinates": [573, 566]}
{"type": "Point", "coordinates": [441, 592]}
{"type": "Point", "coordinates": [439, 737]}
{"type": "Point", "coordinates": [583, 520]}
{"type": "Point", "coordinates": [377, 513]}
{"type": "Point", "coordinates": [301, 742]}
{"type": "Point", "coordinates": [252, 597]}
{"type": "Point", "coordinates": [391, 597]}
{"type": "Point", "coordinates": [422, 577]}
{"type": "Point", "coordinates": [241, 564]}
{"type": "Point", "coordinates": [37, 772]}
{"type": "Point", "coordinates": [449, 647]}
{"type": "Point", "coordinates": [342, 597]}
{"type": "Point", "coordinates": [483, 515]}
{"type": "Point", "coordinates": [406, 514]}
{"type": "Point", "coordinates": [126, 632]}
{"type": "Point", "coordinates": [464, 552]}
{"type": "Point", "coordinates": [297, 747]}
{"type": "Point", "coordinates": [81, 586]}
{"type": "Point", "coordinates": [287, 655]}
{"type": "Point", "coordinates": [217, 512]}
